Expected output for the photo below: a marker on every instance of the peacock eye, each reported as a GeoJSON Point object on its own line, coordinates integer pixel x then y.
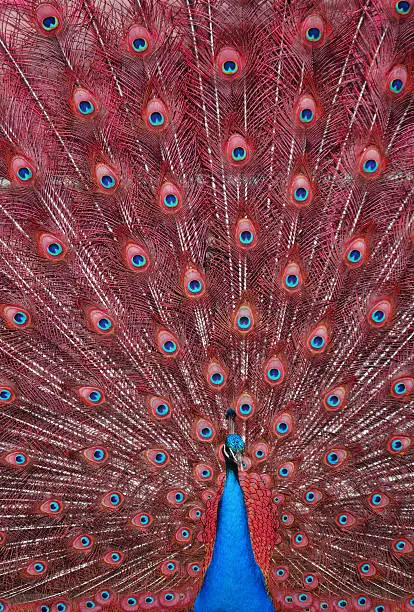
{"type": "Point", "coordinates": [403, 7]}
{"type": "Point", "coordinates": [342, 603]}
{"type": "Point", "coordinates": [139, 45]}
{"type": "Point", "coordinates": [61, 607]}
{"type": "Point", "coordinates": [246, 409]}
{"type": "Point", "coordinates": [306, 115]}
{"type": "Point", "coordinates": [317, 342]}
{"type": "Point", "coordinates": [149, 600]}
{"type": "Point", "coordinates": [217, 378]}
{"type": "Point", "coordinates": [139, 41]}
{"type": "Point", "coordinates": [237, 150]}
{"type": "Point", "coordinates": [313, 34]}
{"type": "Point", "coordinates": [370, 165]}
{"type": "Point", "coordinates": [246, 237]}
{"type": "Point", "coordinates": [335, 457]}
{"type": "Point", "coordinates": [179, 497]}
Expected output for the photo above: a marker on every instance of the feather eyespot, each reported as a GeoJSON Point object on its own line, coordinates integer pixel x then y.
{"type": "Point", "coordinates": [300, 191]}
{"type": "Point", "coordinates": [48, 19]}
{"type": "Point", "coordinates": [245, 406]}
{"type": "Point", "coordinates": [380, 313]}
{"type": "Point", "coordinates": [282, 425]}
{"type": "Point", "coordinates": [300, 540]}
{"type": "Point", "coordinates": [310, 581]}
{"type": "Point", "coordinates": [36, 568]}
{"type": "Point", "coordinates": [398, 444]}
{"type": "Point", "coordinates": [52, 507]}
{"type": "Point", "coordinates": [260, 452]}
{"type": "Point", "coordinates": [148, 601]}
{"type": "Point", "coordinates": [287, 519]}
{"type": "Point", "coordinates": [278, 498]}
{"type": "Point", "coordinates": [274, 371]}
{"type": "Point", "coordinates": [229, 63]}
{"type": "Point", "coordinates": [286, 470]}
{"type": "Point", "coordinates": [142, 521]}
{"type": "Point", "coordinates": [371, 163]}
{"type": "Point", "coordinates": [22, 170]}
{"type": "Point", "coordinates": [401, 546]}
{"type": "Point", "coordinates": [312, 497]}
{"type": "Point", "coordinates": [83, 543]}
{"type": "Point", "coordinates": [113, 558]}
{"type": "Point", "coordinates": [362, 602]}
{"type": "Point", "coordinates": [16, 459]}
{"type": "Point", "coordinates": [292, 277]}
{"type": "Point", "coordinates": [50, 246]}
{"type": "Point", "coordinates": [402, 387]}
{"type": "Point", "coordinates": [60, 606]}
{"type": "Point", "coordinates": [195, 514]}
{"type": "Point", "coordinates": [397, 81]}
{"type": "Point", "coordinates": [306, 111]}
{"type": "Point", "coordinates": [112, 500]}
{"type": "Point", "coordinates": [356, 253]}
{"type": "Point", "coordinates": [402, 8]}
{"type": "Point", "coordinates": [318, 339]}
{"type": "Point", "coordinates": [335, 457]}
{"type": "Point", "coordinates": [335, 398]}
{"type": "Point", "coordinates": [203, 472]}
{"type": "Point", "coordinates": [204, 431]}
{"type": "Point", "coordinates": [176, 497]}
{"type": "Point", "coordinates": [244, 319]}
{"type": "Point", "coordinates": [345, 520]}
{"type": "Point", "coordinates": [157, 457]}
{"type": "Point", "coordinates": [130, 603]}
{"type": "Point", "coordinates": [15, 317]}
{"type": "Point", "coordinates": [193, 569]}
{"type": "Point", "coordinates": [170, 197]}
{"type": "Point", "coordinates": [100, 321]}
{"type": "Point", "coordinates": [104, 597]}
{"type": "Point", "coordinates": [216, 375]}
{"type": "Point", "coordinates": [91, 396]}
{"type": "Point", "coordinates": [156, 115]}
{"type": "Point", "coordinates": [367, 569]}
{"type": "Point", "coordinates": [313, 31]}
{"type": "Point", "coordinates": [280, 573]}
{"type": "Point", "coordinates": [84, 103]}
{"type": "Point", "coordinates": [378, 501]}
{"type": "Point", "coordinates": [167, 344]}
{"type": "Point", "coordinates": [140, 41]}
{"type": "Point", "coordinates": [169, 568]}
{"type": "Point", "coordinates": [106, 178]}
{"type": "Point", "coordinates": [96, 455]}
{"type": "Point", "coordinates": [245, 234]}
{"type": "Point", "coordinates": [160, 408]}
{"type": "Point", "coordinates": [194, 283]}
{"type": "Point", "coordinates": [135, 257]}
{"type": "Point", "coordinates": [237, 150]}
{"type": "Point", "coordinates": [183, 535]}
{"type": "Point", "coordinates": [7, 395]}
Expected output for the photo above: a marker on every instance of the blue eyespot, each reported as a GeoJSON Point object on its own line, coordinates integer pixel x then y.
{"type": "Point", "coordinates": [400, 388]}
{"type": "Point", "coordinates": [24, 173]}
{"type": "Point", "coordinates": [105, 595]}
{"type": "Point", "coordinates": [90, 604]}
{"type": "Point", "coordinates": [376, 499]}
{"type": "Point", "coordinates": [179, 497]}
{"type": "Point", "coordinates": [284, 518]}
{"type": "Point", "coordinates": [39, 567]}
{"type": "Point", "coordinates": [185, 533]}
{"type": "Point", "coordinates": [5, 395]}
{"type": "Point", "coordinates": [288, 599]}
{"type": "Point", "coordinates": [205, 473]}
{"type": "Point", "coordinates": [403, 7]}
{"type": "Point", "coordinates": [280, 572]}
{"type": "Point", "coordinates": [149, 600]}
{"type": "Point", "coordinates": [104, 324]}
{"type": "Point", "coordinates": [310, 496]}
{"type": "Point", "coordinates": [115, 557]}
{"type": "Point", "coordinates": [160, 458]}
{"type": "Point", "coordinates": [306, 115]}
{"type": "Point", "coordinates": [309, 579]}
{"type": "Point", "coordinates": [301, 194]}
{"type": "Point", "coordinates": [195, 286]}
{"type": "Point", "coordinates": [156, 119]}
{"type": "Point", "coordinates": [239, 153]}
{"type": "Point", "coordinates": [229, 67]}
{"type": "Point", "coordinates": [20, 318]}
{"type": "Point", "coordinates": [144, 519]}
{"type": "Point", "coordinates": [333, 400]}
{"type": "Point", "coordinates": [343, 519]}
{"type": "Point", "coordinates": [50, 23]}
{"type": "Point", "coordinates": [259, 453]}
{"type": "Point", "coordinates": [342, 603]}
{"type": "Point", "coordinates": [317, 342]}
{"type": "Point", "coordinates": [171, 566]}
{"type": "Point", "coordinates": [95, 396]}
{"type": "Point", "coordinates": [246, 237]}
{"type": "Point", "coordinates": [303, 597]}
{"type": "Point", "coordinates": [54, 506]}
{"type": "Point", "coordinates": [274, 374]}
{"type": "Point", "coordinates": [332, 458]}
{"type": "Point", "coordinates": [283, 472]}
{"type": "Point", "coordinates": [86, 107]}
{"type": "Point", "coordinates": [131, 601]}
{"type": "Point", "coordinates": [379, 609]}
{"type": "Point", "coordinates": [195, 568]}
{"type": "Point", "coordinates": [396, 85]}
{"type": "Point", "coordinates": [54, 249]}
{"type": "Point", "coordinates": [370, 165]}
{"type": "Point", "coordinates": [162, 409]}
{"type": "Point", "coordinates": [85, 541]}
{"type": "Point", "coordinates": [362, 601]}
{"type": "Point", "coordinates": [313, 34]}
{"type": "Point", "coordinates": [396, 445]}
{"type": "Point", "coordinates": [206, 432]}
{"type": "Point", "coordinates": [115, 499]}
{"type": "Point", "coordinates": [169, 597]}
{"type": "Point", "coordinates": [244, 322]}
{"type": "Point", "coordinates": [378, 316]}
{"type": "Point", "coordinates": [298, 538]}
{"type": "Point", "coordinates": [400, 545]}
{"type": "Point", "coordinates": [198, 513]}
{"type": "Point", "coordinates": [171, 200]}
{"type": "Point", "coordinates": [42, 608]}
{"type": "Point", "coordinates": [282, 427]}
{"type": "Point", "coordinates": [354, 256]}
{"type": "Point", "coordinates": [412, 601]}
{"type": "Point", "coordinates": [107, 181]}
{"type": "Point", "coordinates": [246, 408]}
{"type": "Point", "coordinates": [169, 346]}
{"type": "Point", "coordinates": [324, 606]}
{"type": "Point", "coordinates": [365, 568]}
{"type": "Point", "coordinates": [99, 454]}
{"type": "Point", "coordinates": [138, 260]}
{"type": "Point", "coordinates": [140, 45]}
{"type": "Point", "coordinates": [217, 378]}
{"type": "Point", "coordinates": [20, 459]}
{"type": "Point", "coordinates": [292, 280]}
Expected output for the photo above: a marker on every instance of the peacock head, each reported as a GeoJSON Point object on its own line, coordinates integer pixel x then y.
{"type": "Point", "coordinates": [234, 446]}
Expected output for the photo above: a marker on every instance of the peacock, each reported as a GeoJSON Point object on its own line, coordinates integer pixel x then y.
{"type": "Point", "coordinates": [206, 305]}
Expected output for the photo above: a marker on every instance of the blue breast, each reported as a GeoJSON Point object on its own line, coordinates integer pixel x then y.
{"type": "Point", "coordinates": [233, 581]}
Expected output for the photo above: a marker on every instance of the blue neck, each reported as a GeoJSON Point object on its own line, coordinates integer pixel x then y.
{"type": "Point", "coordinates": [233, 581]}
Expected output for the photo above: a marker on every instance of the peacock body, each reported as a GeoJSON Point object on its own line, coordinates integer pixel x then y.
{"type": "Point", "coordinates": [206, 212]}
